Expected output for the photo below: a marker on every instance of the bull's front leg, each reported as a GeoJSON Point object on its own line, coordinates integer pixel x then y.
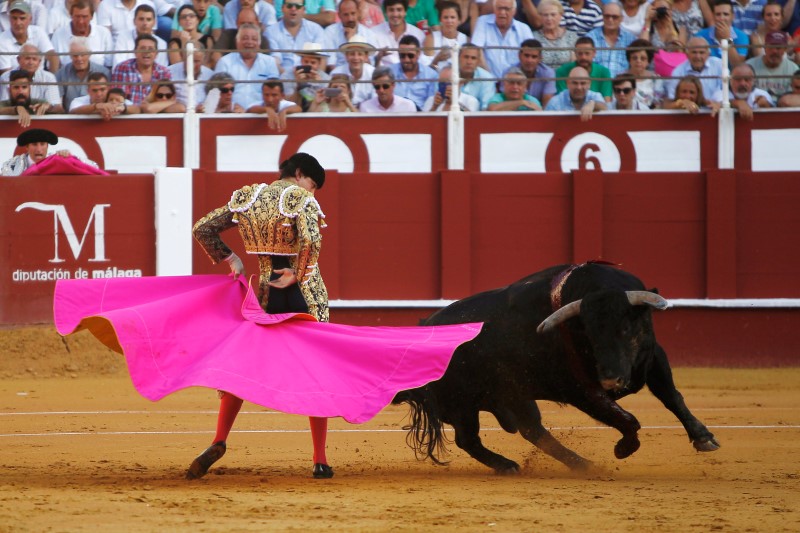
{"type": "Point", "coordinates": [661, 384]}
{"type": "Point", "coordinates": [596, 403]}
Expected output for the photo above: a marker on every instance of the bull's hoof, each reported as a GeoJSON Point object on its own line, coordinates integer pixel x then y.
{"type": "Point", "coordinates": [626, 446]}
{"type": "Point", "coordinates": [507, 468]}
{"type": "Point", "coordinates": [709, 444]}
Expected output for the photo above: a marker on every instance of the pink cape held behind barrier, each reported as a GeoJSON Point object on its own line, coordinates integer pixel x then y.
{"type": "Point", "coordinates": [209, 331]}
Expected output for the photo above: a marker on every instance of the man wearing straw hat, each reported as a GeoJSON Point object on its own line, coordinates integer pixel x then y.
{"type": "Point", "coordinates": [356, 52]}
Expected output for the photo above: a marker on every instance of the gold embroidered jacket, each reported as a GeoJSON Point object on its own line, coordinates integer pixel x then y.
{"type": "Point", "coordinates": [276, 219]}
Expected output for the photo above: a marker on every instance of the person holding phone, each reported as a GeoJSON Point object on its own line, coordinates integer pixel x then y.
{"type": "Point", "coordinates": [302, 82]}
{"type": "Point", "coordinates": [336, 98]}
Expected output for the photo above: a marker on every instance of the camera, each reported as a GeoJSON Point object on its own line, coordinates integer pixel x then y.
{"type": "Point", "coordinates": [303, 68]}
{"type": "Point", "coordinates": [330, 92]}
{"type": "Point", "coordinates": [661, 12]}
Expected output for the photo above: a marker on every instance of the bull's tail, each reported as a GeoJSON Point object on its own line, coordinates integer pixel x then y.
{"type": "Point", "coordinates": [426, 428]}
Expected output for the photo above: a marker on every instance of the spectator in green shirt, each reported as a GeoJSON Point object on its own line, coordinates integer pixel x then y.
{"type": "Point", "coordinates": [584, 57]}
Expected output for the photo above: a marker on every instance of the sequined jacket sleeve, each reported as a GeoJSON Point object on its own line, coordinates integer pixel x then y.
{"type": "Point", "coordinates": [206, 231]}
{"type": "Point", "coordinates": [309, 220]}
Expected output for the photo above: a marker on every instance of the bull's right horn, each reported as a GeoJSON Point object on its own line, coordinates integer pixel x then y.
{"type": "Point", "coordinates": [565, 313]}
{"type": "Point", "coordinates": [647, 298]}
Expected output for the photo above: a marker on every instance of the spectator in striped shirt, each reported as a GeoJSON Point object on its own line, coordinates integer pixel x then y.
{"type": "Point", "coordinates": [581, 16]}
{"type": "Point", "coordinates": [748, 14]}
{"type": "Point", "coordinates": [135, 76]}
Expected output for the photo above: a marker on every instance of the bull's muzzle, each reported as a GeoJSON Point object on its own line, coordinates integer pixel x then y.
{"type": "Point", "coordinates": [614, 384]}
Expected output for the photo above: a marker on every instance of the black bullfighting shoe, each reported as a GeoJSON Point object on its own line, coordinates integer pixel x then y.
{"type": "Point", "coordinates": [322, 471]}
{"type": "Point", "coordinates": [200, 466]}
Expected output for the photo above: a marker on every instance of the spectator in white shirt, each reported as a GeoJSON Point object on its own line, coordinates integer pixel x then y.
{"type": "Point", "coordinates": [43, 84]}
{"type": "Point", "coordinates": [144, 22]}
{"type": "Point", "coordinates": [389, 33]}
{"type": "Point", "coordinates": [117, 17]}
{"type": "Point", "coordinates": [356, 53]}
{"type": "Point", "coordinates": [274, 104]}
{"type": "Point", "coordinates": [22, 32]}
{"type": "Point", "coordinates": [202, 73]}
{"type": "Point", "coordinates": [98, 38]}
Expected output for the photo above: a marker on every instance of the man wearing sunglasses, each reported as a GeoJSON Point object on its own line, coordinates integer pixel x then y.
{"type": "Point", "coordinates": [291, 32]}
{"type": "Point", "coordinates": [625, 94]}
{"type": "Point", "coordinates": [414, 78]}
{"type": "Point", "coordinates": [385, 101]}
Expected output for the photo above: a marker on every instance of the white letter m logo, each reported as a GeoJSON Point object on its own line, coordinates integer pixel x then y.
{"type": "Point", "coordinates": [60, 216]}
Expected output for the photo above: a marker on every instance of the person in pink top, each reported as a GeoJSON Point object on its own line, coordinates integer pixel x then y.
{"type": "Point", "coordinates": [385, 101]}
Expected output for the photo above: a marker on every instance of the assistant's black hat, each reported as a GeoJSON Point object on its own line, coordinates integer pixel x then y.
{"type": "Point", "coordinates": [36, 135]}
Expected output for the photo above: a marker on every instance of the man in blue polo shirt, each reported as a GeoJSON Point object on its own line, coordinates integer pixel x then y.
{"type": "Point", "coordinates": [412, 75]}
{"type": "Point", "coordinates": [723, 29]}
{"type": "Point", "coordinates": [578, 97]}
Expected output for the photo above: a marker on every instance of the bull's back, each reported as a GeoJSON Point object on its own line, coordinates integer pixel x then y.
{"type": "Point", "coordinates": [498, 304]}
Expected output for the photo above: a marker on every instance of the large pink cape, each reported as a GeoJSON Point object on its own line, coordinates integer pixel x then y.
{"type": "Point", "coordinates": [209, 331]}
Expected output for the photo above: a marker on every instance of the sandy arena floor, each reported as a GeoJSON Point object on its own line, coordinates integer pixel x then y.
{"type": "Point", "coordinates": [82, 451]}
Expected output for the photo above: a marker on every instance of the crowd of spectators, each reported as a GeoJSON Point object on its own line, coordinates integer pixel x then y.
{"type": "Point", "coordinates": [279, 57]}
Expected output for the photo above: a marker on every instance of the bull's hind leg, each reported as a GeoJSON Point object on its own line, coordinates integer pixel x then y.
{"type": "Point", "coordinates": [467, 427]}
{"type": "Point", "coordinates": [529, 420]}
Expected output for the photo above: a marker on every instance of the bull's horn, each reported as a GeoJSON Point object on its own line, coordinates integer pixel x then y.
{"type": "Point", "coordinates": [647, 298]}
{"type": "Point", "coordinates": [565, 313]}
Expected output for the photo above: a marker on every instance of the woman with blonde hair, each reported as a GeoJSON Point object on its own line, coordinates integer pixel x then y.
{"type": "Point", "coordinates": [689, 97]}
{"type": "Point", "coordinates": [336, 98]}
{"type": "Point", "coordinates": [553, 35]}
{"type": "Point", "coordinates": [163, 98]}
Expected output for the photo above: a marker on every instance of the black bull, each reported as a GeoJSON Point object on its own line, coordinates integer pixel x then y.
{"type": "Point", "coordinates": [598, 347]}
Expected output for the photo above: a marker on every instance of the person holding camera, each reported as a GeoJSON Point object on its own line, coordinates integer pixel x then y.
{"type": "Point", "coordinates": [303, 81]}
{"type": "Point", "coordinates": [336, 98]}
{"type": "Point", "coordinates": [659, 28]}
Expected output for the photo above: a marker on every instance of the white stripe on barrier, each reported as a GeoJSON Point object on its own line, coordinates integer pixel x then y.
{"type": "Point", "coordinates": [737, 303]}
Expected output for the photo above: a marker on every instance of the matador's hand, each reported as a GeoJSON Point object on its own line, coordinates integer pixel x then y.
{"type": "Point", "coordinates": [237, 267]}
{"type": "Point", "coordinates": [287, 279]}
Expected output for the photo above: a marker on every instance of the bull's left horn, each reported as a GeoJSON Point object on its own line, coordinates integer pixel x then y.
{"type": "Point", "coordinates": [565, 313]}
{"type": "Point", "coordinates": [647, 298]}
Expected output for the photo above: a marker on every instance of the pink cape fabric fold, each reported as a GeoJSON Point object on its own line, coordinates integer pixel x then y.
{"type": "Point", "coordinates": [67, 166]}
{"type": "Point", "coordinates": [209, 331]}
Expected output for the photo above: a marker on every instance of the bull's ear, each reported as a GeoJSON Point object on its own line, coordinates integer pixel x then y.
{"type": "Point", "coordinates": [654, 289]}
